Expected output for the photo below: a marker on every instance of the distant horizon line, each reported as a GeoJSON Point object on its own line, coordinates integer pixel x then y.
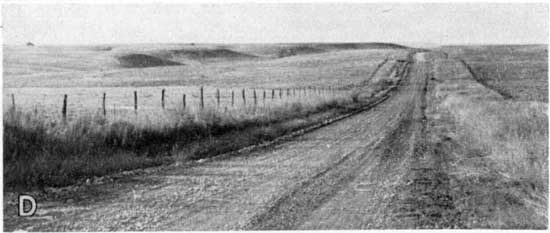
{"type": "Point", "coordinates": [242, 43]}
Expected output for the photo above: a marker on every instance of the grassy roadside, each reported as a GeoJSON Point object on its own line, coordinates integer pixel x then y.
{"type": "Point", "coordinates": [496, 151]}
{"type": "Point", "coordinates": [40, 153]}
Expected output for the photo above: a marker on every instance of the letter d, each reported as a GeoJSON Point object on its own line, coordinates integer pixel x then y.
{"type": "Point", "coordinates": [28, 198]}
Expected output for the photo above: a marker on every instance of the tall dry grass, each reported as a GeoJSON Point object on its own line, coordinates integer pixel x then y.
{"type": "Point", "coordinates": [514, 133]}
{"type": "Point", "coordinates": [43, 151]}
{"type": "Point", "coordinates": [511, 138]}
{"type": "Point", "coordinates": [495, 145]}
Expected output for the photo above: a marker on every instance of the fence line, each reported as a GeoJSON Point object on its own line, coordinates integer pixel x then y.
{"type": "Point", "coordinates": [292, 94]}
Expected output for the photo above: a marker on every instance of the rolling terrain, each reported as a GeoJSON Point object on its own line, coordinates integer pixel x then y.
{"type": "Point", "coordinates": [64, 127]}
{"type": "Point", "coordinates": [434, 144]}
{"type": "Point", "coordinates": [246, 186]}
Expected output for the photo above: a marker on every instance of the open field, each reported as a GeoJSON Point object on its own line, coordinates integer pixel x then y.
{"type": "Point", "coordinates": [85, 86]}
{"type": "Point", "coordinates": [492, 130]}
{"type": "Point", "coordinates": [515, 71]}
{"type": "Point", "coordinates": [84, 67]}
{"type": "Point", "coordinates": [379, 139]}
{"type": "Point", "coordinates": [281, 95]}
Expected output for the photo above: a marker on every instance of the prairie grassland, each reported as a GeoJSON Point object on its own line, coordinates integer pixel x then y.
{"type": "Point", "coordinates": [520, 72]}
{"type": "Point", "coordinates": [331, 68]}
{"type": "Point", "coordinates": [42, 149]}
{"type": "Point", "coordinates": [498, 149]}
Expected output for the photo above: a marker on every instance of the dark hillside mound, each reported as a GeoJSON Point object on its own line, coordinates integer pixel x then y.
{"type": "Point", "coordinates": [374, 45]}
{"type": "Point", "coordinates": [102, 48]}
{"type": "Point", "coordinates": [297, 50]}
{"type": "Point", "coordinates": [142, 60]}
{"type": "Point", "coordinates": [203, 54]}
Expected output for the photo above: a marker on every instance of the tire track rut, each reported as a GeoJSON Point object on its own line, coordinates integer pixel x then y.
{"type": "Point", "coordinates": [425, 199]}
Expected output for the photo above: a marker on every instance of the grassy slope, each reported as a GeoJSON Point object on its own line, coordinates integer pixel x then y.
{"type": "Point", "coordinates": [496, 148]}
{"type": "Point", "coordinates": [36, 66]}
{"type": "Point", "coordinates": [349, 66]}
{"type": "Point", "coordinates": [335, 69]}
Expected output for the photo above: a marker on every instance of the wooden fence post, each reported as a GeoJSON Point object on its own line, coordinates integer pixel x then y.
{"type": "Point", "coordinates": [244, 98]}
{"type": "Point", "coordinates": [64, 108]}
{"type": "Point", "coordinates": [254, 94]}
{"type": "Point", "coordinates": [272, 94]}
{"type": "Point", "coordinates": [13, 102]}
{"type": "Point", "coordinates": [162, 99]}
{"type": "Point", "coordinates": [264, 97]}
{"type": "Point", "coordinates": [135, 102]}
{"type": "Point", "coordinates": [218, 97]}
{"type": "Point", "coordinates": [103, 105]}
{"type": "Point", "coordinates": [280, 93]}
{"type": "Point", "coordinates": [232, 98]}
{"type": "Point", "coordinates": [184, 104]}
{"type": "Point", "coordinates": [202, 97]}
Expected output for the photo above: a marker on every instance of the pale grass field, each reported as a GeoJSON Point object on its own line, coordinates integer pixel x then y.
{"type": "Point", "coordinates": [520, 71]}
{"type": "Point", "coordinates": [85, 83]}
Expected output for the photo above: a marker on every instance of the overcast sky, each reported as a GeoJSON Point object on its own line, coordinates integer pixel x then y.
{"type": "Point", "coordinates": [255, 22]}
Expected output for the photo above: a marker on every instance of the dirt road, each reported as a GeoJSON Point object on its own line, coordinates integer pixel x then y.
{"type": "Point", "coordinates": [342, 176]}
